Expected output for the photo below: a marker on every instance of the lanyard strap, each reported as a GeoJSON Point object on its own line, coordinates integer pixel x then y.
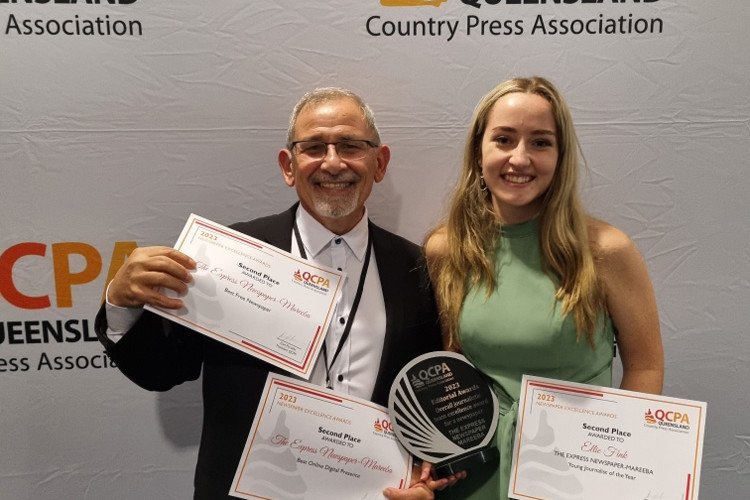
{"type": "Point", "coordinates": [355, 303]}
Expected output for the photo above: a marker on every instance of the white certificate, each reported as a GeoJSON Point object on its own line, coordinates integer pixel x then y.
{"type": "Point", "coordinates": [576, 441]}
{"type": "Point", "coordinates": [255, 297]}
{"type": "Point", "coordinates": [307, 442]}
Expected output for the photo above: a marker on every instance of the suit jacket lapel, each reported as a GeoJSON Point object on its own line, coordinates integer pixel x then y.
{"type": "Point", "coordinates": [393, 299]}
{"type": "Point", "coordinates": [280, 234]}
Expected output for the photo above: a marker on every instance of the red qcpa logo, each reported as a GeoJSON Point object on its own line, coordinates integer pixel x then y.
{"type": "Point", "coordinates": [669, 416]}
{"type": "Point", "coordinates": [383, 425]}
{"type": "Point", "coordinates": [308, 277]}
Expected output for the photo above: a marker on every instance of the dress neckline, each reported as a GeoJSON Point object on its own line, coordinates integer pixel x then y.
{"type": "Point", "coordinates": [521, 230]}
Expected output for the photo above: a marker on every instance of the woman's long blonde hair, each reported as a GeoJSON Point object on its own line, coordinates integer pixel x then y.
{"type": "Point", "coordinates": [472, 225]}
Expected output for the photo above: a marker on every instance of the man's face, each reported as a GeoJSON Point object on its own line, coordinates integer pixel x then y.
{"type": "Point", "coordinates": [330, 189]}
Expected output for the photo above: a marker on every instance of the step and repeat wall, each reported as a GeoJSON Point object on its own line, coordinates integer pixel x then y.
{"type": "Point", "coordinates": [118, 118]}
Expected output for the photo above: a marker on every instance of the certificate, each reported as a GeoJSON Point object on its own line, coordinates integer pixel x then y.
{"type": "Point", "coordinates": [307, 442]}
{"type": "Point", "coordinates": [576, 441]}
{"type": "Point", "coordinates": [255, 297]}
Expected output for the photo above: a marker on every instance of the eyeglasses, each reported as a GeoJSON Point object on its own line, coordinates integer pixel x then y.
{"type": "Point", "coordinates": [348, 149]}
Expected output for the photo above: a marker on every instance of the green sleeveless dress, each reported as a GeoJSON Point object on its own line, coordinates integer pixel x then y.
{"type": "Point", "coordinates": [519, 330]}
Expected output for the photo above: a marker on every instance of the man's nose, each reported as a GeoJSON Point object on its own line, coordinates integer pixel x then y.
{"type": "Point", "coordinates": [332, 162]}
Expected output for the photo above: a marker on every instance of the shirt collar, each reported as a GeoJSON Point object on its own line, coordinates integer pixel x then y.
{"type": "Point", "coordinates": [316, 237]}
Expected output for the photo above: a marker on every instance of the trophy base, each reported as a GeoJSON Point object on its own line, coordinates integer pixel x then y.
{"type": "Point", "coordinates": [464, 462]}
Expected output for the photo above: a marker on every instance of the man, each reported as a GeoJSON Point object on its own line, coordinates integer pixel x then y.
{"type": "Point", "coordinates": [333, 157]}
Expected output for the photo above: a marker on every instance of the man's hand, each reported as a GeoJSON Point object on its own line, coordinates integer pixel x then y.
{"type": "Point", "coordinates": [418, 491]}
{"type": "Point", "coordinates": [422, 485]}
{"type": "Point", "coordinates": [147, 269]}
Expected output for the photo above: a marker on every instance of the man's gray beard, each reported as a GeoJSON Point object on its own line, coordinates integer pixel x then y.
{"type": "Point", "coordinates": [335, 207]}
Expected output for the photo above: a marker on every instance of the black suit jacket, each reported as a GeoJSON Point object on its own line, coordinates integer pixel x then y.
{"type": "Point", "coordinates": [157, 354]}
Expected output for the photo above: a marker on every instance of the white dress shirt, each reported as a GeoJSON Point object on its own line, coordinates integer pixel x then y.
{"type": "Point", "coordinates": [355, 369]}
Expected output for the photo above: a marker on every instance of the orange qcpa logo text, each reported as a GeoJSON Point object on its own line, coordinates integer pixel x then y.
{"type": "Point", "coordinates": [320, 281]}
{"type": "Point", "coordinates": [667, 416]}
{"type": "Point", "coordinates": [383, 425]}
{"type": "Point", "coordinates": [72, 263]}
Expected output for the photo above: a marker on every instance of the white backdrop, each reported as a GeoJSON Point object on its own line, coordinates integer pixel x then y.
{"type": "Point", "coordinates": [119, 118]}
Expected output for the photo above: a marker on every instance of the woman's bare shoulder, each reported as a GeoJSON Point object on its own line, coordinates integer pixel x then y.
{"type": "Point", "coordinates": [618, 259]}
{"type": "Point", "coordinates": [436, 244]}
{"type": "Point", "coordinates": [606, 240]}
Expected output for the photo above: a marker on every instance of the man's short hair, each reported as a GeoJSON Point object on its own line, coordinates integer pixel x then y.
{"type": "Point", "coordinates": [327, 94]}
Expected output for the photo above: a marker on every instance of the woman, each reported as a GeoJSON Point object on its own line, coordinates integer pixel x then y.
{"type": "Point", "coordinates": [527, 282]}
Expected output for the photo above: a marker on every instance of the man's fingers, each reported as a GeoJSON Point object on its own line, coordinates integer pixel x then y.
{"type": "Point", "coordinates": [441, 484]}
{"type": "Point", "coordinates": [159, 300]}
{"type": "Point", "coordinates": [426, 469]}
{"type": "Point", "coordinates": [417, 491]}
{"type": "Point", "coordinates": [146, 270]}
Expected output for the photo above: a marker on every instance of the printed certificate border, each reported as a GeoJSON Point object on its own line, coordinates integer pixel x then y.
{"type": "Point", "coordinates": [531, 383]}
{"type": "Point", "coordinates": [303, 368]}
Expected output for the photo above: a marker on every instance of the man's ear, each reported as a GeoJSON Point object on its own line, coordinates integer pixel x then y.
{"type": "Point", "coordinates": [285, 163]}
{"type": "Point", "coordinates": [384, 156]}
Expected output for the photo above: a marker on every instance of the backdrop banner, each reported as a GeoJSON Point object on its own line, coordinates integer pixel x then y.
{"type": "Point", "coordinates": [119, 118]}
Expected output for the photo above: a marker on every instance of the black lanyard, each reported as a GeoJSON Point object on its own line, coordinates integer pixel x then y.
{"type": "Point", "coordinates": [355, 304]}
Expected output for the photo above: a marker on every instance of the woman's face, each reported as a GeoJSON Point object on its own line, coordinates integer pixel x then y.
{"type": "Point", "coordinates": [519, 155]}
